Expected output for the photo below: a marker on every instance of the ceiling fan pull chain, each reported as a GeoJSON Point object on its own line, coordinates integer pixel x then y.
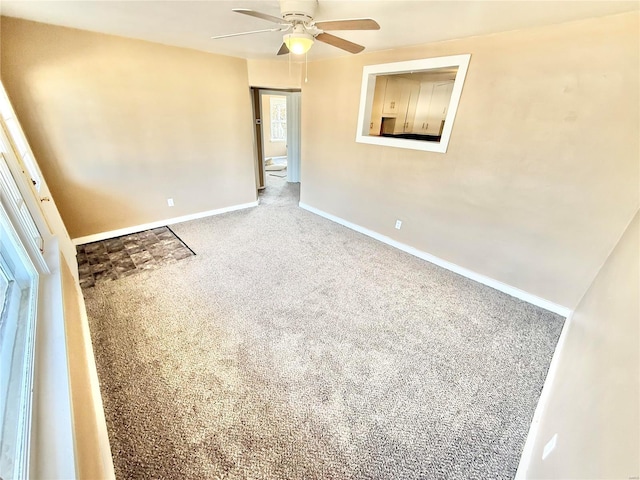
{"type": "Point", "coordinates": [306, 67]}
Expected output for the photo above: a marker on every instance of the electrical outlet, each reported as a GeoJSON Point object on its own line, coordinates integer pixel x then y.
{"type": "Point", "coordinates": [548, 448]}
{"type": "Point", "coordinates": [170, 202]}
{"type": "Point", "coordinates": [398, 224]}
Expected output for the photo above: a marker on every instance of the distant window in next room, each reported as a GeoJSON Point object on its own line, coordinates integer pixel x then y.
{"type": "Point", "coordinates": [278, 116]}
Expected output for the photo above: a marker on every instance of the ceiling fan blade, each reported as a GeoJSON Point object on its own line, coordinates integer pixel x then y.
{"type": "Point", "coordinates": [248, 33]}
{"type": "Point", "coordinates": [264, 16]}
{"type": "Point", "coordinates": [349, 24]}
{"type": "Point", "coordinates": [339, 42]}
{"type": "Point", "coordinates": [283, 50]}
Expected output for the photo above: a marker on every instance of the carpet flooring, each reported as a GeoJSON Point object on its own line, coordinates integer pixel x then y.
{"type": "Point", "coordinates": [292, 347]}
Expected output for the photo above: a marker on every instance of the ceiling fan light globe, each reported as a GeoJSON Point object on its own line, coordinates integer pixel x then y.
{"type": "Point", "coordinates": [298, 43]}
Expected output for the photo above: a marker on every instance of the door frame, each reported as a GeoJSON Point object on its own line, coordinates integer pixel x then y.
{"type": "Point", "coordinates": [293, 131]}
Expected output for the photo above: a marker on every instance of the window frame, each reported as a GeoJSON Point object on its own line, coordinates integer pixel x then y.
{"type": "Point", "coordinates": [369, 74]}
{"type": "Point", "coordinates": [27, 367]}
{"type": "Point", "coordinates": [19, 143]}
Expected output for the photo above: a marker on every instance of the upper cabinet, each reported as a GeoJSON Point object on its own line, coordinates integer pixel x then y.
{"type": "Point", "coordinates": [391, 103]}
{"type": "Point", "coordinates": [432, 108]}
{"type": "Point", "coordinates": [394, 105]}
{"type": "Point", "coordinates": [413, 89]}
{"type": "Point", "coordinates": [375, 125]}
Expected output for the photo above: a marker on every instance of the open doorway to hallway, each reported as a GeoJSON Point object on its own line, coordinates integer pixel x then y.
{"type": "Point", "coordinates": [277, 130]}
{"type": "Point", "coordinates": [274, 129]}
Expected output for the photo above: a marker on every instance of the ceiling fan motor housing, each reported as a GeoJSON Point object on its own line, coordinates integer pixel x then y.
{"type": "Point", "coordinates": [298, 10]}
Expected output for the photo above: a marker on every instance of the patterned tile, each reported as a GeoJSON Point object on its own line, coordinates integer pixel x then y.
{"type": "Point", "coordinates": [94, 247]}
{"type": "Point", "coordinates": [105, 276]}
{"type": "Point", "coordinates": [101, 267]}
{"type": "Point", "coordinates": [121, 257]}
{"type": "Point", "coordinates": [84, 270]}
{"type": "Point", "coordinates": [114, 246]}
{"type": "Point", "coordinates": [87, 282]}
{"type": "Point", "coordinates": [142, 257]}
{"type": "Point", "coordinates": [95, 258]}
{"type": "Point", "coordinates": [124, 266]}
{"type": "Point", "coordinates": [181, 253]}
{"type": "Point", "coordinates": [172, 244]}
{"type": "Point", "coordinates": [165, 235]}
{"type": "Point", "coordinates": [133, 247]}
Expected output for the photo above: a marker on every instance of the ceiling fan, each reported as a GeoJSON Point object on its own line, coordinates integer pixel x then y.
{"type": "Point", "coordinates": [297, 19]}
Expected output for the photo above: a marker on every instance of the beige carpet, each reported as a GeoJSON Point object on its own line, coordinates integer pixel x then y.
{"type": "Point", "coordinates": [291, 347]}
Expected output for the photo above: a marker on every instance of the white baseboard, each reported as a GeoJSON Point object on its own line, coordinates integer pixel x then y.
{"type": "Point", "coordinates": [160, 223]}
{"type": "Point", "coordinates": [107, 472]}
{"type": "Point", "coordinates": [490, 282]}
{"type": "Point", "coordinates": [534, 429]}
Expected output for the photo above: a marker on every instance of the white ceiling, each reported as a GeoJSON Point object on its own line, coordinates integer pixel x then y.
{"type": "Point", "coordinates": [190, 24]}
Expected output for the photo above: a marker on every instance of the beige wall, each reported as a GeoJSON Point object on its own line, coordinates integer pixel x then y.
{"type": "Point", "coordinates": [541, 176]}
{"type": "Point", "coordinates": [594, 402]}
{"type": "Point", "coordinates": [271, 149]}
{"type": "Point", "coordinates": [119, 125]}
{"type": "Point", "coordinates": [274, 73]}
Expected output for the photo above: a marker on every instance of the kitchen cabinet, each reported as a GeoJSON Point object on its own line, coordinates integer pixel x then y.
{"type": "Point", "coordinates": [401, 105]}
{"type": "Point", "coordinates": [422, 110]}
{"type": "Point", "coordinates": [397, 95]}
{"type": "Point", "coordinates": [376, 108]}
{"type": "Point", "coordinates": [406, 106]}
{"type": "Point", "coordinates": [414, 94]}
{"type": "Point", "coordinates": [391, 104]}
{"type": "Point", "coordinates": [433, 104]}
{"type": "Point", "coordinates": [395, 101]}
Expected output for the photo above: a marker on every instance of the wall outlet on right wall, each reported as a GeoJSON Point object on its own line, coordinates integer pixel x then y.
{"type": "Point", "coordinates": [398, 224]}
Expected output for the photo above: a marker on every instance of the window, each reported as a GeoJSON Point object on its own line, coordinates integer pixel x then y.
{"type": "Point", "coordinates": [411, 104]}
{"type": "Point", "coordinates": [21, 266]}
{"type": "Point", "coordinates": [278, 115]}
{"type": "Point", "coordinates": [18, 294]}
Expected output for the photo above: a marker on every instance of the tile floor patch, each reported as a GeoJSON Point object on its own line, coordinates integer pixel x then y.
{"type": "Point", "coordinates": [115, 258]}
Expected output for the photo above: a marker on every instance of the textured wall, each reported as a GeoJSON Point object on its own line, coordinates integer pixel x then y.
{"type": "Point", "coordinates": [541, 175]}
{"type": "Point", "coordinates": [118, 125]}
{"type": "Point", "coordinates": [274, 73]}
{"type": "Point", "coordinates": [594, 401]}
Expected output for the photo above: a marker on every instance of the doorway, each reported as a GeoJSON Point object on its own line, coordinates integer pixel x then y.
{"type": "Point", "coordinates": [277, 130]}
